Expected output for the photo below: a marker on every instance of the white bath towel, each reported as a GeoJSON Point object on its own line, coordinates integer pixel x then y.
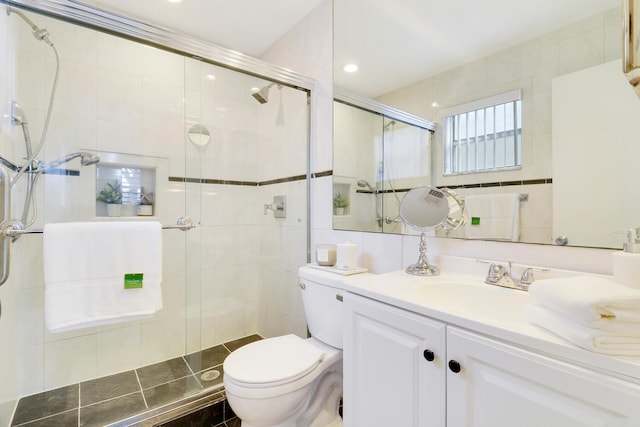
{"type": "Point", "coordinates": [596, 340]}
{"type": "Point", "coordinates": [92, 272]}
{"type": "Point", "coordinates": [595, 302]}
{"type": "Point", "coordinates": [493, 216]}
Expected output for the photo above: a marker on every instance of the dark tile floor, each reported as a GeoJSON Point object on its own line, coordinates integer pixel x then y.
{"type": "Point", "coordinates": [107, 400]}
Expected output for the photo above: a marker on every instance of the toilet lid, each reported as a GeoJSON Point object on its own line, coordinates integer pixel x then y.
{"type": "Point", "coordinates": [271, 360]}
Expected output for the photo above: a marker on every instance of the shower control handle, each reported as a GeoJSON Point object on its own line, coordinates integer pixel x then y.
{"type": "Point", "coordinates": [279, 207]}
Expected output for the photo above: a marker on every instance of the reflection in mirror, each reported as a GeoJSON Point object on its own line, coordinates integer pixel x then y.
{"type": "Point", "coordinates": [378, 156]}
{"type": "Point", "coordinates": [199, 135]}
{"type": "Point", "coordinates": [555, 197]}
{"type": "Point", "coordinates": [425, 209]}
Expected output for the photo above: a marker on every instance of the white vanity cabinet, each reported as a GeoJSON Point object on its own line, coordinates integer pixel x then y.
{"type": "Point", "coordinates": [500, 385]}
{"type": "Point", "coordinates": [389, 382]}
{"type": "Point", "coordinates": [393, 366]}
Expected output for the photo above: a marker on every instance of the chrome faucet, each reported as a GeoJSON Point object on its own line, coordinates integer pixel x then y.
{"type": "Point", "coordinates": [500, 275]}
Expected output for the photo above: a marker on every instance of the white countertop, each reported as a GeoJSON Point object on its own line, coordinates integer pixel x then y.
{"type": "Point", "coordinates": [464, 300]}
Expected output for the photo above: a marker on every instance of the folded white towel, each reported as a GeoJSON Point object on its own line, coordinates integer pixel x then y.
{"type": "Point", "coordinates": [85, 265]}
{"type": "Point", "coordinates": [498, 216]}
{"type": "Point", "coordinates": [593, 301]}
{"type": "Point", "coordinates": [596, 340]}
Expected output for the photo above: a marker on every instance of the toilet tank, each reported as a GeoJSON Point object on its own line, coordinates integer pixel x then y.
{"type": "Point", "coordinates": [322, 299]}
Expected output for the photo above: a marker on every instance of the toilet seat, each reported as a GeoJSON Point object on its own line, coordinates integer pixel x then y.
{"type": "Point", "coordinates": [272, 361]}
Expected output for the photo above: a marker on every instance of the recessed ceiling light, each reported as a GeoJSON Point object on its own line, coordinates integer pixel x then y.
{"type": "Point", "coordinates": [210, 77]}
{"type": "Point", "coordinates": [350, 68]}
{"type": "Point", "coordinates": [174, 1]}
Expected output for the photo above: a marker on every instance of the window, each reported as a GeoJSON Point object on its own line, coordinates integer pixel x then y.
{"type": "Point", "coordinates": [483, 135]}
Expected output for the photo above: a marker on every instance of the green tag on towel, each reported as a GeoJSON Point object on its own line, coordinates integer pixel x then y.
{"type": "Point", "coordinates": [475, 220]}
{"type": "Point", "coordinates": [133, 280]}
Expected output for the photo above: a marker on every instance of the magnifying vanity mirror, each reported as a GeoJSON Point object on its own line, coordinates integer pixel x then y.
{"type": "Point", "coordinates": [578, 126]}
{"type": "Point", "coordinates": [428, 208]}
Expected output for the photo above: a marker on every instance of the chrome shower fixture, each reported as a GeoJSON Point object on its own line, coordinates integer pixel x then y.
{"type": "Point", "coordinates": [389, 125]}
{"type": "Point", "coordinates": [86, 159]}
{"type": "Point", "coordinates": [38, 33]}
{"type": "Point", "coordinates": [18, 117]}
{"type": "Point", "coordinates": [362, 184]}
{"type": "Point", "coordinates": [38, 166]}
{"type": "Point", "coordinates": [262, 94]}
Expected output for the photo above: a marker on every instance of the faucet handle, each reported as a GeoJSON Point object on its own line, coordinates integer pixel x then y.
{"type": "Point", "coordinates": [527, 275]}
{"type": "Point", "coordinates": [495, 273]}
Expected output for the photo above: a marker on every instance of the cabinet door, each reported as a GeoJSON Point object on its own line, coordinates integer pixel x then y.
{"type": "Point", "coordinates": [393, 366]}
{"type": "Point", "coordinates": [499, 385]}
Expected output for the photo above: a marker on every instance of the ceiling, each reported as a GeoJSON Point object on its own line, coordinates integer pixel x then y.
{"type": "Point", "coordinates": [394, 43]}
{"type": "Point", "coordinates": [247, 26]}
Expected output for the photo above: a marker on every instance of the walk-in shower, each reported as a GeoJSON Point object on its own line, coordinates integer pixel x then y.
{"type": "Point", "coordinates": [232, 276]}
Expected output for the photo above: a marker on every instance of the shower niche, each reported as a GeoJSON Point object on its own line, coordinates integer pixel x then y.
{"type": "Point", "coordinates": [127, 185]}
{"type": "Point", "coordinates": [125, 191]}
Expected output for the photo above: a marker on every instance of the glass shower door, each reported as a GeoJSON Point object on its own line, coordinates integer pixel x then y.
{"type": "Point", "coordinates": [250, 146]}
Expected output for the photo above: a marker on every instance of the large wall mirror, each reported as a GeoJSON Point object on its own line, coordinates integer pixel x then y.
{"type": "Point", "coordinates": [574, 182]}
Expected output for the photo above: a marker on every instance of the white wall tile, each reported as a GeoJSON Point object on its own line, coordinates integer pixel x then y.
{"type": "Point", "coordinates": [69, 361]}
{"type": "Point", "coordinates": [118, 350]}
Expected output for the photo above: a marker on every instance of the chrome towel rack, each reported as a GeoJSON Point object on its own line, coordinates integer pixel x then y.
{"type": "Point", "coordinates": [11, 229]}
{"type": "Point", "coordinates": [14, 228]}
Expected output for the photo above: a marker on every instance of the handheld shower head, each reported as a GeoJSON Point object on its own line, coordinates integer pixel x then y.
{"type": "Point", "coordinates": [18, 116]}
{"type": "Point", "coordinates": [362, 184]}
{"type": "Point", "coordinates": [86, 159]}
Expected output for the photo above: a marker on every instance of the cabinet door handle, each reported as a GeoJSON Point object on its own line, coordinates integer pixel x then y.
{"type": "Point", "coordinates": [454, 365]}
{"type": "Point", "coordinates": [429, 355]}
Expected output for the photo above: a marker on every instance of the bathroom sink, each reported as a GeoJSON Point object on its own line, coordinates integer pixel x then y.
{"type": "Point", "coordinates": [456, 294]}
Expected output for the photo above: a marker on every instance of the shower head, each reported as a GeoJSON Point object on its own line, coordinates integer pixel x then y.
{"type": "Point", "coordinates": [38, 33]}
{"type": "Point", "coordinates": [262, 94]}
{"type": "Point", "coordinates": [362, 184]}
{"type": "Point", "coordinates": [18, 116]}
{"type": "Point", "coordinates": [86, 159]}
{"type": "Point", "coordinates": [389, 125]}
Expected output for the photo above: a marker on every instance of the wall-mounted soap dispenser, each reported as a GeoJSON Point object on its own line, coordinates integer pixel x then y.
{"type": "Point", "coordinates": [626, 263]}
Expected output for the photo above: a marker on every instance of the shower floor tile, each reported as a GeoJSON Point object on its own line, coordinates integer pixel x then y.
{"type": "Point", "coordinates": [163, 372]}
{"type": "Point", "coordinates": [206, 359]}
{"type": "Point", "coordinates": [109, 411]}
{"type": "Point", "coordinates": [171, 391]}
{"type": "Point", "coordinates": [109, 399]}
{"type": "Point", "coordinates": [236, 344]}
{"type": "Point", "coordinates": [41, 405]}
{"type": "Point", "coordinates": [106, 388]}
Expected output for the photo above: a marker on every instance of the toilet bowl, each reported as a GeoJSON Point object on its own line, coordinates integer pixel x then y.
{"type": "Point", "coordinates": [289, 381]}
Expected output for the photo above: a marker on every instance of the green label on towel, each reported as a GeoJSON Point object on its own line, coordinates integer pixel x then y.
{"type": "Point", "coordinates": [475, 220]}
{"type": "Point", "coordinates": [133, 280]}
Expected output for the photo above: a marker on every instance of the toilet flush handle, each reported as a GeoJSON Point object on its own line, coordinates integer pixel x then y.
{"type": "Point", "coordinates": [339, 297]}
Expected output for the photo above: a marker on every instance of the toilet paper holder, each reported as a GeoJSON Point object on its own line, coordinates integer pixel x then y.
{"type": "Point", "coordinates": [279, 207]}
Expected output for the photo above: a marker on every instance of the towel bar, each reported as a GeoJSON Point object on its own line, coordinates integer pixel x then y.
{"type": "Point", "coordinates": [524, 197]}
{"type": "Point", "coordinates": [13, 228]}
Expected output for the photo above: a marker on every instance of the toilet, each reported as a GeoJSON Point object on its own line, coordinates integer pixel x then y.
{"type": "Point", "coordinates": [288, 381]}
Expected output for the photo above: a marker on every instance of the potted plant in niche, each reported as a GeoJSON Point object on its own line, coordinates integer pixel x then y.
{"type": "Point", "coordinates": [339, 204]}
{"type": "Point", "coordinates": [111, 194]}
